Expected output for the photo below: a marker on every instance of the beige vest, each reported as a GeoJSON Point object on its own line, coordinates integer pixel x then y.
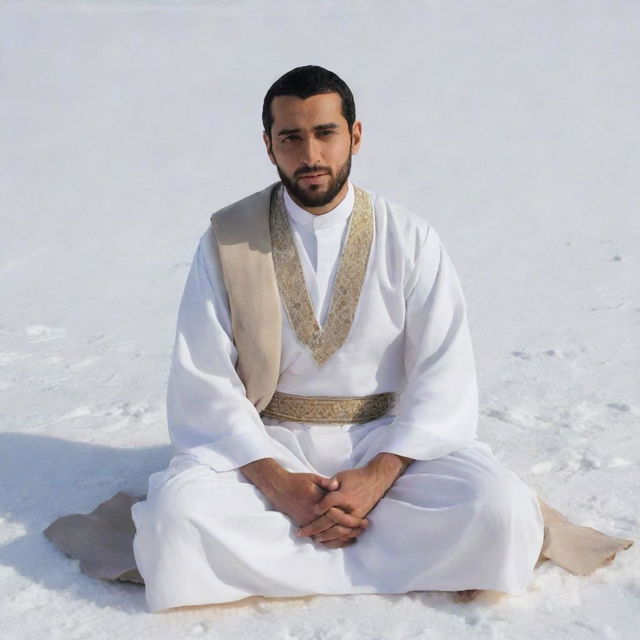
{"type": "Point", "coordinates": [244, 246]}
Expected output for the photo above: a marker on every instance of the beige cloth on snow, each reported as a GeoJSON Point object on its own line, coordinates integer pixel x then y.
{"type": "Point", "coordinates": [103, 540]}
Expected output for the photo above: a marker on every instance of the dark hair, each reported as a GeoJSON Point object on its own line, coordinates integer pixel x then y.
{"type": "Point", "coordinates": [305, 82]}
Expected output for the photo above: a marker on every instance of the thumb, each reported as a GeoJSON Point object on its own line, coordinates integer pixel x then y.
{"type": "Point", "coordinates": [329, 484]}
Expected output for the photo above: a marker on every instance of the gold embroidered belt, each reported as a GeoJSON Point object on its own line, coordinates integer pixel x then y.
{"type": "Point", "coordinates": [328, 409]}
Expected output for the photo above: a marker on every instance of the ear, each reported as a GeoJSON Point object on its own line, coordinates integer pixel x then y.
{"type": "Point", "coordinates": [356, 137]}
{"type": "Point", "coordinates": [267, 143]}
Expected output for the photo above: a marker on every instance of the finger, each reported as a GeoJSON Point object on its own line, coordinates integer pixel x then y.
{"type": "Point", "coordinates": [334, 544]}
{"type": "Point", "coordinates": [332, 499]}
{"type": "Point", "coordinates": [346, 519]}
{"type": "Point", "coordinates": [329, 484]}
{"type": "Point", "coordinates": [316, 526]}
{"type": "Point", "coordinates": [337, 533]}
{"type": "Point", "coordinates": [333, 533]}
{"type": "Point", "coordinates": [337, 544]}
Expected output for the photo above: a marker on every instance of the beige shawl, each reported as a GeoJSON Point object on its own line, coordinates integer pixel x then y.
{"type": "Point", "coordinates": [102, 540]}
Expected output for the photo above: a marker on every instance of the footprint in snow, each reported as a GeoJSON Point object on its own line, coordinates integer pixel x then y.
{"type": "Point", "coordinates": [567, 353]}
{"type": "Point", "coordinates": [136, 410]}
{"type": "Point", "coordinates": [619, 406]}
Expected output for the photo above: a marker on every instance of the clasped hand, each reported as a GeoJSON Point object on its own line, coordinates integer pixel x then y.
{"type": "Point", "coordinates": [330, 510]}
{"type": "Point", "coordinates": [339, 515]}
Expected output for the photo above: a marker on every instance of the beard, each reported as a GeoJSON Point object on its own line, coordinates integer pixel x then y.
{"type": "Point", "coordinates": [313, 196]}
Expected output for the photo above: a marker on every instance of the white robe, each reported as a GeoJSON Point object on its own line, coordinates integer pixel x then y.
{"type": "Point", "coordinates": [456, 519]}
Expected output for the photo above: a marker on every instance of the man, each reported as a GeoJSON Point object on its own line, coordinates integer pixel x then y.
{"type": "Point", "coordinates": [358, 469]}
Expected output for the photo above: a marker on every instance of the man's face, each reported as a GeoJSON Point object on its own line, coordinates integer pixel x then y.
{"type": "Point", "coordinates": [311, 147]}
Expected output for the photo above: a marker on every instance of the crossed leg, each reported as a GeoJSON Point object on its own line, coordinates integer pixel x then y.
{"type": "Point", "coordinates": [461, 522]}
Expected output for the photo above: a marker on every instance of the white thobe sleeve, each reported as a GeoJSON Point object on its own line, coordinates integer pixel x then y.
{"type": "Point", "coordinates": [208, 413]}
{"type": "Point", "coordinates": [437, 411]}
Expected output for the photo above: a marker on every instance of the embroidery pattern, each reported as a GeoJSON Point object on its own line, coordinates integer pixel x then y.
{"type": "Point", "coordinates": [324, 341]}
{"type": "Point", "coordinates": [328, 409]}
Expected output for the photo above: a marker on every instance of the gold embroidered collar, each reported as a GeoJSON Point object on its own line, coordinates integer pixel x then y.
{"type": "Point", "coordinates": [323, 341]}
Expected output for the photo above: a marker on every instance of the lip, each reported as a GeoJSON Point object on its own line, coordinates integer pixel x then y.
{"type": "Point", "coordinates": [313, 176]}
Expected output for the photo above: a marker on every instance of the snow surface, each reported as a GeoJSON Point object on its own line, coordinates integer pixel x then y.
{"type": "Point", "coordinates": [512, 126]}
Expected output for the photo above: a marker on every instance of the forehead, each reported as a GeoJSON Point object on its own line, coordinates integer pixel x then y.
{"type": "Point", "coordinates": [291, 112]}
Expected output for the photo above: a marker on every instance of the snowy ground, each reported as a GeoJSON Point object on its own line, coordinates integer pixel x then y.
{"type": "Point", "coordinates": [511, 126]}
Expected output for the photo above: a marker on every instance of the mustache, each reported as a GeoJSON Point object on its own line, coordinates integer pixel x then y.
{"type": "Point", "coordinates": [306, 170]}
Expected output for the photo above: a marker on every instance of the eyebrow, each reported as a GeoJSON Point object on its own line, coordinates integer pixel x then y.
{"type": "Point", "coordinates": [319, 127]}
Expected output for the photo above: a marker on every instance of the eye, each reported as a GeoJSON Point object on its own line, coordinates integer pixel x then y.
{"type": "Point", "coordinates": [326, 133]}
{"type": "Point", "coordinates": [290, 138]}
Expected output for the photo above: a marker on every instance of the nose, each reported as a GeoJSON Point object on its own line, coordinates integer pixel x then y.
{"type": "Point", "coordinates": [310, 151]}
